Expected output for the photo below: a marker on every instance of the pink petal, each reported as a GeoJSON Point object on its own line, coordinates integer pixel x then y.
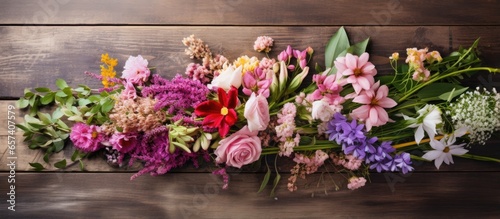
{"type": "Point", "coordinates": [361, 112]}
{"type": "Point", "coordinates": [387, 103]}
{"type": "Point", "coordinates": [382, 114]}
{"type": "Point", "coordinates": [363, 59]}
{"type": "Point", "coordinates": [364, 83]}
{"type": "Point", "coordinates": [351, 61]}
{"type": "Point", "coordinates": [382, 92]}
{"type": "Point", "coordinates": [373, 117]}
{"type": "Point", "coordinates": [362, 99]}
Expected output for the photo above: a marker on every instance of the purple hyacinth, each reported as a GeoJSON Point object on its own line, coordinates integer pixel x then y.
{"type": "Point", "coordinates": [334, 128]}
{"type": "Point", "coordinates": [361, 147]}
{"type": "Point", "coordinates": [352, 132]}
{"type": "Point", "coordinates": [403, 162]}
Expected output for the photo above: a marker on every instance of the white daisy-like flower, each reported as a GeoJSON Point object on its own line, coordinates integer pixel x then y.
{"type": "Point", "coordinates": [428, 119]}
{"type": "Point", "coordinates": [444, 149]}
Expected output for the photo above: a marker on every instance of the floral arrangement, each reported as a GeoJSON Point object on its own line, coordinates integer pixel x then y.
{"type": "Point", "coordinates": [234, 113]}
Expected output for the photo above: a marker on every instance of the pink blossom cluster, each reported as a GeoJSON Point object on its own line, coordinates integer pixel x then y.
{"type": "Point", "coordinates": [356, 183]}
{"type": "Point", "coordinates": [349, 162]}
{"type": "Point", "coordinates": [198, 72]}
{"type": "Point", "coordinates": [136, 115]}
{"type": "Point", "coordinates": [416, 59]}
{"type": "Point", "coordinates": [285, 129]}
{"type": "Point", "coordinates": [301, 56]}
{"type": "Point", "coordinates": [305, 165]}
{"type": "Point", "coordinates": [263, 43]}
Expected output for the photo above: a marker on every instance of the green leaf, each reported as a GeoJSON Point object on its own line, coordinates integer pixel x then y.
{"type": "Point", "coordinates": [356, 49]}
{"type": "Point", "coordinates": [75, 155]}
{"type": "Point", "coordinates": [61, 164]}
{"type": "Point", "coordinates": [45, 118]}
{"type": "Point", "coordinates": [276, 181]}
{"type": "Point", "coordinates": [61, 84]}
{"type": "Point", "coordinates": [58, 144]}
{"type": "Point", "coordinates": [68, 91]}
{"type": "Point", "coordinates": [57, 114]}
{"type": "Point", "coordinates": [46, 157]}
{"type": "Point", "coordinates": [83, 102]}
{"type": "Point", "coordinates": [94, 98]}
{"type": "Point", "coordinates": [265, 180]}
{"type": "Point", "coordinates": [22, 103]}
{"type": "Point", "coordinates": [37, 166]}
{"type": "Point", "coordinates": [107, 106]}
{"type": "Point", "coordinates": [24, 128]}
{"type": "Point", "coordinates": [338, 43]}
{"type": "Point", "coordinates": [27, 93]}
{"type": "Point", "coordinates": [61, 94]}
{"type": "Point", "coordinates": [36, 125]}
{"type": "Point", "coordinates": [62, 125]}
{"type": "Point", "coordinates": [32, 100]}
{"type": "Point", "coordinates": [452, 94]}
{"type": "Point", "coordinates": [81, 165]}
{"type": "Point", "coordinates": [48, 98]}
{"type": "Point", "coordinates": [434, 90]}
{"type": "Point", "coordinates": [42, 89]}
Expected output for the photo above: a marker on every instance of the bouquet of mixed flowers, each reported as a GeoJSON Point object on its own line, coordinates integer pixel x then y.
{"type": "Point", "coordinates": [234, 113]}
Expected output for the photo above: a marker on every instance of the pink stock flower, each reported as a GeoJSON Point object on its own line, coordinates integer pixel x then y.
{"type": "Point", "coordinates": [356, 183]}
{"type": "Point", "coordinates": [86, 138]}
{"type": "Point", "coordinates": [241, 148]}
{"type": "Point", "coordinates": [257, 112]}
{"type": "Point", "coordinates": [263, 43]}
{"type": "Point", "coordinates": [359, 71]}
{"type": "Point", "coordinates": [136, 70]}
{"type": "Point", "coordinates": [374, 100]}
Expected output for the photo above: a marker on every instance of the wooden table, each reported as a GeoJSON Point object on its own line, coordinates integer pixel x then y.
{"type": "Point", "coordinates": [48, 39]}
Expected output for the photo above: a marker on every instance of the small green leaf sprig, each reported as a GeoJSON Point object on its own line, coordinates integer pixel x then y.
{"type": "Point", "coordinates": [50, 132]}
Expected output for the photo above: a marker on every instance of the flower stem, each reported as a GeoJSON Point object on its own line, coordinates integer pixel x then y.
{"type": "Point", "coordinates": [439, 77]}
{"type": "Point", "coordinates": [477, 157]}
{"type": "Point", "coordinates": [411, 143]}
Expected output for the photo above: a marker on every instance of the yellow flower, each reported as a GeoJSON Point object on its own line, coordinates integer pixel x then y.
{"type": "Point", "coordinates": [249, 64]}
{"type": "Point", "coordinates": [108, 69]}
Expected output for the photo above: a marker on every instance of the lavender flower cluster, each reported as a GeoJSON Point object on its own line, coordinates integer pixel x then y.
{"type": "Point", "coordinates": [353, 139]}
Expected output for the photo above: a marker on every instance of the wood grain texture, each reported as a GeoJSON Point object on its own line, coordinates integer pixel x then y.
{"type": "Point", "coordinates": [195, 195]}
{"type": "Point", "coordinates": [257, 12]}
{"type": "Point", "coordinates": [66, 52]}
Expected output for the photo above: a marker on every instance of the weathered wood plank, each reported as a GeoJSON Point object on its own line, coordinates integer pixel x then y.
{"type": "Point", "coordinates": [235, 12]}
{"type": "Point", "coordinates": [184, 195]}
{"type": "Point", "coordinates": [66, 52]}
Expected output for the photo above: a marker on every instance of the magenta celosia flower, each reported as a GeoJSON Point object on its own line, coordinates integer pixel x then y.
{"type": "Point", "coordinates": [136, 70]}
{"type": "Point", "coordinates": [374, 100]}
{"type": "Point", "coordinates": [86, 138]}
{"type": "Point", "coordinates": [359, 71]}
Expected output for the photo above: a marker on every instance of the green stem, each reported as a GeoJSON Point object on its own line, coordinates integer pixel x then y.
{"type": "Point", "coordinates": [439, 77]}
{"type": "Point", "coordinates": [481, 158]}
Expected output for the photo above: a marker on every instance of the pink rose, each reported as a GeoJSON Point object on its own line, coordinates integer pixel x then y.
{"type": "Point", "coordinates": [136, 70]}
{"type": "Point", "coordinates": [257, 112]}
{"type": "Point", "coordinates": [240, 148]}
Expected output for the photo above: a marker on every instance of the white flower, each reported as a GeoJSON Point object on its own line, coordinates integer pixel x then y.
{"type": "Point", "coordinates": [444, 149]}
{"type": "Point", "coordinates": [323, 111]}
{"type": "Point", "coordinates": [229, 77]}
{"type": "Point", "coordinates": [428, 118]}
